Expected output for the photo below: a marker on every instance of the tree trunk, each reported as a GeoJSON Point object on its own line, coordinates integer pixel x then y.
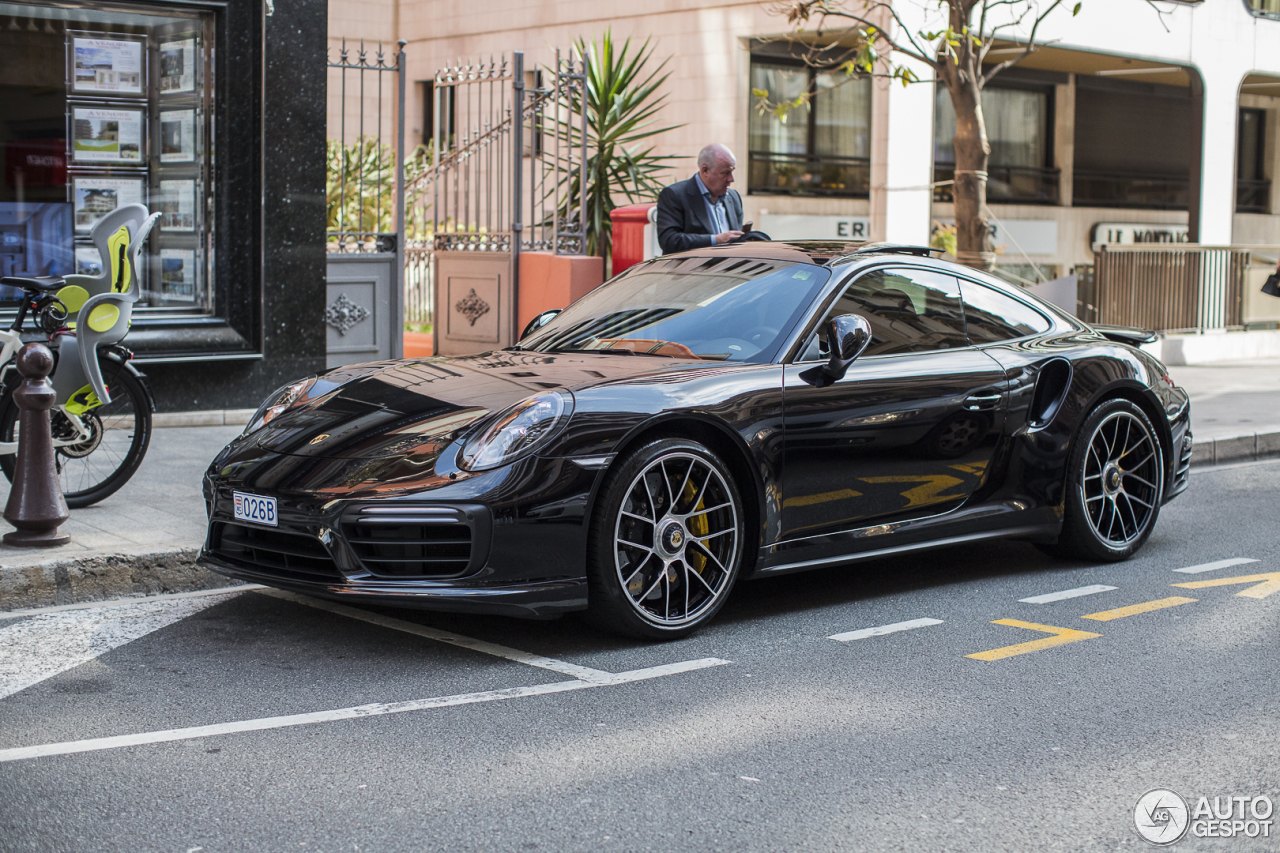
{"type": "Point", "coordinates": [973, 235]}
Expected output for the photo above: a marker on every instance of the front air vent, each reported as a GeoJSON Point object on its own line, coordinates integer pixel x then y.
{"type": "Point", "coordinates": [290, 556]}
{"type": "Point", "coordinates": [1052, 382]}
{"type": "Point", "coordinates": [413, 542]}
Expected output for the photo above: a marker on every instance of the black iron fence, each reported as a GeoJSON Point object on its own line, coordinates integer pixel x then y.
{"type": "Point", "coordinates": [1006, 184]}
{"type": "Point", "coordinates": [769, 173]}
{"type": "Point", "coordinates": [1111, 189]}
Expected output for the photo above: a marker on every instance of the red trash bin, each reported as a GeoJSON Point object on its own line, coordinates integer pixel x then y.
{"type": "Point", "coordinates": [629, 242]}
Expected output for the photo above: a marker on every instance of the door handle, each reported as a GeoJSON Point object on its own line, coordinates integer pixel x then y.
{"type": "Point", "coordinates": [983, 400]}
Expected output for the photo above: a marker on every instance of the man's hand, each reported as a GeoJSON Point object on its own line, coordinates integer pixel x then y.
{"type": "Point", "coordinates": [727, 236]}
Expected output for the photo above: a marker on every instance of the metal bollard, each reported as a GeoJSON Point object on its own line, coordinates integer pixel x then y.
{"type": "Point", "coordinates": [36, 506]}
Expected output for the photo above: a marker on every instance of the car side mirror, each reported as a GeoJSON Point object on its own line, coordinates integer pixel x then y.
{"type": "Point", "coordinates": [538, 322]}
{"type": "Point", "coordinates": [847, 336]}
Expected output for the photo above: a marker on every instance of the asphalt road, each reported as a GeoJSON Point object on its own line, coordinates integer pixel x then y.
{"type": "Point", "coordinates": [758, 734]}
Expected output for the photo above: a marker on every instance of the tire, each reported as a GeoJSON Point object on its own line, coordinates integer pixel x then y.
{"type": "Point", "coordinates": [1115, 485]}
{"type": "Point", "coordinates": [120, 433]}
{"type": "Point", "coordinates": [666, 543]}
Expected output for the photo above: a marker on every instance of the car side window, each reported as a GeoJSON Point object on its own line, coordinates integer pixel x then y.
{"type": "Point", "coordinates": [992, 316]}
{"type": "Point", "coordinates": [910, 310]}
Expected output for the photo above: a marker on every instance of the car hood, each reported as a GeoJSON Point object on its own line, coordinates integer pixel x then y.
{"type": "Point", "coordinates": [418, 407]}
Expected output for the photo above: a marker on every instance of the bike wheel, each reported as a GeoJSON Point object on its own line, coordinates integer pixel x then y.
{"type": "Point", "coordinates": [119, 434]}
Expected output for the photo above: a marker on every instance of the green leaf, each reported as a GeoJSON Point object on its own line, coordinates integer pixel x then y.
{"type": "Point", "coordinates": [1076, 10]}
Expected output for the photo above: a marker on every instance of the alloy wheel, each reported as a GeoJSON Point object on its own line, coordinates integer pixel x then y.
{"type": "Point", "coordinates": [676, 539]}
{"type": "Point", "coordinates": [1121, 479]}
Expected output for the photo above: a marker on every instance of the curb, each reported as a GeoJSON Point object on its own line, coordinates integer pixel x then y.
{"type": "Point", "coordinates": [1235, 448]}
{"type": "Point", "coordinates": [104, 577]}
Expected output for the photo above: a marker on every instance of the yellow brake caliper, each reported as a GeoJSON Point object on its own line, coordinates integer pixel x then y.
{"type": "Point", "coordinates": [698, 526]}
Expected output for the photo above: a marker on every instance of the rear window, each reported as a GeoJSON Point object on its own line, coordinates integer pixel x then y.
{"type": "Point", "coordinates": [992, 316]}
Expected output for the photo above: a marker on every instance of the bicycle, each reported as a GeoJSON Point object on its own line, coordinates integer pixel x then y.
{"type": "Point", "coordinates": [101, 421]}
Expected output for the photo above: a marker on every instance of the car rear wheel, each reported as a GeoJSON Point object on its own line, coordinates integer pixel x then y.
{"type": "Point", "coordinates": [1115, 485]}
{"type": "Point", "coordinates": [667, 542]}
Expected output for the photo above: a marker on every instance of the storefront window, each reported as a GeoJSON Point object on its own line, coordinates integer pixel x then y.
{"type": "Point", "coordinates": [103, 107]}
{"type": "Point", "coordinates": [1017, 122]}
{"type": "Point", "coordinates": [822, 149]}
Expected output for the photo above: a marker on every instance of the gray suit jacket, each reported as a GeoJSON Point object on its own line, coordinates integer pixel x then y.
{"type": "Point", "coordinates": [682, 213]}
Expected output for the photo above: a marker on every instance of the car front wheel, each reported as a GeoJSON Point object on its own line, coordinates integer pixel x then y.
{"type": "Point", "coordinates": [1115, 485]}
{"type": "Point", "coordinates": [667, 541]}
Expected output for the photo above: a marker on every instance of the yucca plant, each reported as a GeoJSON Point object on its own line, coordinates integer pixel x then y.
{"type": "Point", "coordinates": [622, 107]}
{"type": "Point", "coordinates": [360, 187]}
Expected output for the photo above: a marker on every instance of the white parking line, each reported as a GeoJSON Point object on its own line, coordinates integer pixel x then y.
{"type": "Point", "coordinates": [127, 602]}
{"type": "Point", "coordinates": [584, 673]}
{"type": "Point", "coordinates": [863, 633]}
{"type": "Point", "coordinates": [47, 644]}
{"type": "Point", "coordinates": [374, 710]}
{"type": "Point", "coordinates": [1067, 593]}
{"type": "Point", "coordinates": [1221, 564]}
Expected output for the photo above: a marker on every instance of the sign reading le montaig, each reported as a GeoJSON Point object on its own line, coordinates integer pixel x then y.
{"type": "Point", "coordinates": [1139, 232]}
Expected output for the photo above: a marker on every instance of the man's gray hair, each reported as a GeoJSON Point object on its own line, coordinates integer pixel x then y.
{"type": "Point", "coordinates": [711, 153]}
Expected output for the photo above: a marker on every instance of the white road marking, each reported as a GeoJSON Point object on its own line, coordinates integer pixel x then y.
{"type": "Point", "coordinates": [863, 633]}
{"type": "Point", "coordinates": [1067, 593]}
{"type": "Point", "coordinates": [373, 710]}
{"type": "Point", "coordinates": [1221, 564]}
{"type": "Point", "coordinates": [583, 673]}
{"type": "Point", "coordinates": [47, 644]}
{"type": "Point", "coordinates": [127, 602]}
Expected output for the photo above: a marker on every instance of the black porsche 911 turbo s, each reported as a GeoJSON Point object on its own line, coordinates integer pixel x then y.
{"type": "Point", "coordinates": [737, 411]}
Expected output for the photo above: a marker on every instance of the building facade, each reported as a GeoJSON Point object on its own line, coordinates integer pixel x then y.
{"type": "Point", "coordinates": [1135, 121]}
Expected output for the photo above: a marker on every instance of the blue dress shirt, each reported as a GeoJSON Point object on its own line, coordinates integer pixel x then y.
{"type": "Point", "coordinates": [715, 210]}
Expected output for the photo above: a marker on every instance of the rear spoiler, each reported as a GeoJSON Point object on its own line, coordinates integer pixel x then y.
{"type": "Point", "coordinates": [1126, 334]}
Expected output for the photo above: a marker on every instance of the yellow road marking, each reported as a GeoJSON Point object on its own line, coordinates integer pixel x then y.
{"type": "Point", "coordinates": [824, 497]}
{"type": "Point", "coordinates": [1270, 583]}
{"type": "Point", "coordinates": [926, 492]}
{"type": "Point", "coordinates": [970, 467]}
{"type": "Point", "coordinates": [1135, 609]}
{"type": "Point", "coordinates": [1061, 636]}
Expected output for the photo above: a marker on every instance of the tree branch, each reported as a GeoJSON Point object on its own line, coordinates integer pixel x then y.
{"type": "Point", "coordinates": [984, 79]}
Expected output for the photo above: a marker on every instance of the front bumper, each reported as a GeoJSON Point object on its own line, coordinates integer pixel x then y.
{"type": "Point", "coordinates": [454, 548]}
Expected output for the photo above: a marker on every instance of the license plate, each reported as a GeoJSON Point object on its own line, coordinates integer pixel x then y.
{"type": "Point", "coordinates": [254, 508]}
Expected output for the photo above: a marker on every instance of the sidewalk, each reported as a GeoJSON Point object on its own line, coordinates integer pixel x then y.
{"type": "Point", "coordinates": [143, 540]}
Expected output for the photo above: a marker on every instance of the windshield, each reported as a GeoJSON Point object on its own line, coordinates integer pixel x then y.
{"type": "Point", "coordinates": [722, 309]}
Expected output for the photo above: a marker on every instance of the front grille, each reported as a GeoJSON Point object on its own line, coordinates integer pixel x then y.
{"type": "Point", "coordinates": [417, 542]}
{"type": "Point", "coordinates": [275, 552]}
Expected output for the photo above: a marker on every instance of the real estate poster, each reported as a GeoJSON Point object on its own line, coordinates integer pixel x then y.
{"type": "Point", "coordinates": [88, 261]}
{"type": "Point", "coordinates": [106, 65]}
{"type": "Point", "coordinates": [94, 197]}
{"type": "Point", "coordinates": [178, 275]}
{"type": "Point", "coordinates": [103, 135]}
{"type": "Point", "coordinates": [176, 204]}
{"type": "Point", "coordinates": [177, 136]}
{"type": "Point", "coordinates": [177, 66]}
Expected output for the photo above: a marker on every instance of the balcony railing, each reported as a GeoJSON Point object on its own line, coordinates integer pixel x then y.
{"type": "Point", "coordinates": [1006, 184]}
{"type": "Point", "coordinates": [1114, 189]}
{"type": "Point", "coordinates": [1253, 196]}
{"type": "Point", "coordinates": [805, 174]}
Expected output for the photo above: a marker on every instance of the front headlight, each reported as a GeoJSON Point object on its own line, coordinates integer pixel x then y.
{"type": "Point", "coordinates": [280, 401]}
{"type": "Point", "coordinates": [517, 431]}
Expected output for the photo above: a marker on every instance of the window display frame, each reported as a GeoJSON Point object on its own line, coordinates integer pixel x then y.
{"type": "Point", "coordinates": [75, 90]}
{"type": "Point", "coordinates": [79, 178]}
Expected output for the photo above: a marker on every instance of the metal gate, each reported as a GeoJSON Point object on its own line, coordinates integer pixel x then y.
{"type": "Point", "coordinates": [1179, 287]}
{"type": "Point", "coordinates": [507, 175]}
{"type": "Point", "coordinates": [365, 197]}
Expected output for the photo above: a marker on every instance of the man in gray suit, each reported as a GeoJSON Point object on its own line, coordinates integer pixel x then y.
{"type": "Point", "coordinates": [701, 211]}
